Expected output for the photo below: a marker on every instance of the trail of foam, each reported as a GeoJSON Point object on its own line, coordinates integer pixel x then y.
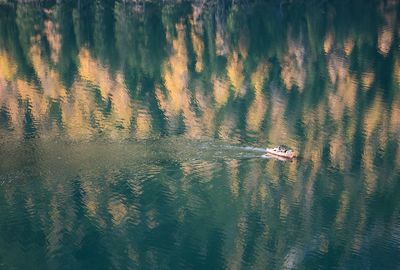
{"type": "Point", "coordinates": [256, 149]}
{"type": "Point", "coordinates": [248, 148]}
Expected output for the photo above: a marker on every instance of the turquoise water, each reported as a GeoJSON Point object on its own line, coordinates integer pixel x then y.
{"type": "Point", "coordinates": [132, 135]}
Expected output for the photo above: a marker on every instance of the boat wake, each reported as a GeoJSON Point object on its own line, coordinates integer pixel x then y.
{"type": "Point", "coordinates": [255, 149]}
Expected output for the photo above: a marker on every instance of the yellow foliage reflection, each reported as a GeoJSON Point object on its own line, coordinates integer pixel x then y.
{"type": "Point", "coordinates": [293, 70]}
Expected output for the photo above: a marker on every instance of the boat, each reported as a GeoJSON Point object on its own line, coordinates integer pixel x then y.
{"type": "Point", "coordinates": [281, 151]}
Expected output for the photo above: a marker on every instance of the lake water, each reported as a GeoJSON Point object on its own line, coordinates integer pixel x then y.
{"type": "Point", "coordinates": [132, 135]}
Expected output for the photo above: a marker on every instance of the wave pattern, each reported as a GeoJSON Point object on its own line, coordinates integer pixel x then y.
{"type": "Point", "coordinates": [131, 135]}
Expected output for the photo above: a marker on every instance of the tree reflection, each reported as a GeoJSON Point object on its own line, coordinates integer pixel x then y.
{"type": "Point", "coordinates": [117, 71]}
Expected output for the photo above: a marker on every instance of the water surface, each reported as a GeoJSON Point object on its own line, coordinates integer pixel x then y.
{"type": "Point", "coordinates": [131, 135]}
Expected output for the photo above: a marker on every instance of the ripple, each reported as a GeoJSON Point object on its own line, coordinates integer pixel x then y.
{"type": "Point", "coordinates": [132, 135]}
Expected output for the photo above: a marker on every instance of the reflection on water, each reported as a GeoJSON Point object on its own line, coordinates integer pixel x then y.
{"type": "Point", "coordinates": [130, 135]}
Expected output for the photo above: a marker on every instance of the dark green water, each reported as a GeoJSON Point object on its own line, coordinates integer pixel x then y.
{"type": "Point", "coordinates": [130, 135]}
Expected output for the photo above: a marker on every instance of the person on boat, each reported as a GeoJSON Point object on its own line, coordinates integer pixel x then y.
{"type": "Point", "coordinates": [283, 149]}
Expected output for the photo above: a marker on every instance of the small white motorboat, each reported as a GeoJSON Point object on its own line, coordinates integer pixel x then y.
{"type": "Point", "coordinates": [281, 151]}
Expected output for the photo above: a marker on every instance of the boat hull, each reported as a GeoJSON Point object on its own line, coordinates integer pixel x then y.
{"type": "Point", "coordinates": [289, 155]}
